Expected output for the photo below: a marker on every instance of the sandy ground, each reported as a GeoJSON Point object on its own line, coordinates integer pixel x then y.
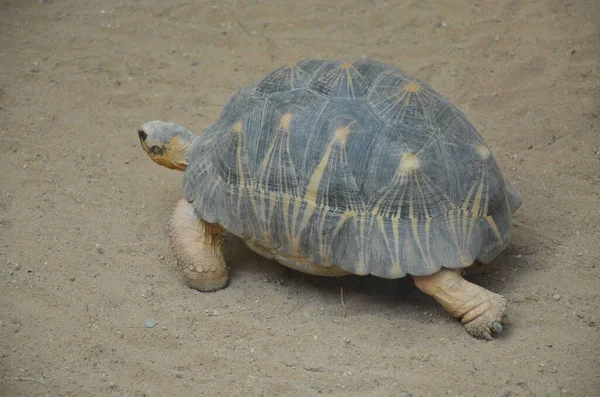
{"type": "Point", "coordinates": [84, 258]}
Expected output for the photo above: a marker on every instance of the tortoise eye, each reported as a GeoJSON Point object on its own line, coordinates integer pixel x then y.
{"type": "Point", "coordinates": [159, 150]}
{"type": "Point", "coordinates": [142, 135]}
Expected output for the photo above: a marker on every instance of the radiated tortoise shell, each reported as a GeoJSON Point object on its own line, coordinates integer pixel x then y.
{"type": "Point", "coordinates": [353, 165]}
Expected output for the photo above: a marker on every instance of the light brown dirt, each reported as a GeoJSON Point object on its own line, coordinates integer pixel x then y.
{"type": "Point", "coordinates": [84, 255]}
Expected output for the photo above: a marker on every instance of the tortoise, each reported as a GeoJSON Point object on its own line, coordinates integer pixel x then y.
{"type": "Point", "coordinates": [342, 167]}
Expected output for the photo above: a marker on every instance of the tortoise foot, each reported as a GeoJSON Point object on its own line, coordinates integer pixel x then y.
{"type": "Point", "coordinates": [204, 282]}
{"type": "Point", "coordinates": [197, 246]}
{"type": "Point", "coordinates": [489, 315]}
{"type": "Point", "coordinates": [481, 311]}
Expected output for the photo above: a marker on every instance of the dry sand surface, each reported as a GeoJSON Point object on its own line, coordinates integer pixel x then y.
{"type": "Point", "coordinates": [84, 255]}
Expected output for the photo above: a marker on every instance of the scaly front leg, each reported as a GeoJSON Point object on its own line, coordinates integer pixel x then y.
{"type": "Point", "coordinates": [197, 247]}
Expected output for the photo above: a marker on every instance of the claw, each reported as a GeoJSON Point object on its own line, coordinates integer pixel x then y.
{"type": "Point", "coordinates": [497, 326]}
{"type": "Point", "coordinates": [486, 335]}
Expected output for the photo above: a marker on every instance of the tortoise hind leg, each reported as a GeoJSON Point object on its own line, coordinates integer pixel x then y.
{"type": "Point", "coordinates": [481, 311]}
{"type": "Point", "coordinates": [197, 247]}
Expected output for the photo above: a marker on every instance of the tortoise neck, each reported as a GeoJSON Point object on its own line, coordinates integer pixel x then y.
{"type": "Point", "coordinates": [178, 148]}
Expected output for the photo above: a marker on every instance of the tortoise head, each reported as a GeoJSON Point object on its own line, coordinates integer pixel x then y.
{"type": "Point", "coordinates": [166, 143]}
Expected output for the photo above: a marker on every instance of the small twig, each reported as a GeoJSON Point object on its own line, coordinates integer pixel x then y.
{"type": "Point", "coordinates": [342, 299]}
{"type": "Point", "coordinates": [239, 22]}
{"type": "Point", "coordinates": [289, 311]}
{"type": "Point", "coordinates": [237, 19]}
{"type": "Point", "coordinates": [54, 181]}
{"type": "Point", "coordinates": [32, 380]}
{"type": "Point", "coordinates": [229, 35]}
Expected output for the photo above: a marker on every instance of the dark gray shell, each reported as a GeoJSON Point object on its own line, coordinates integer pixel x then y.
{"type": "Point", "coordinates": [354, 164]}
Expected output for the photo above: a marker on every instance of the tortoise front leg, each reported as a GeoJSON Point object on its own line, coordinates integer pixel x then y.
{"type": "Point", "coordinates": [197, 247]}
{"type": "Point", "coordinates": [481, 311]}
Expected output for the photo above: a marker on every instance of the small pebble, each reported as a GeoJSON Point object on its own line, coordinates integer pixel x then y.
{"type": "Point", "coordinates": [99, 248]}
{"type": "Point", "coordinates": [580, 254]}
{"type": "Point", "coordinates": [150, 323]}
{"type": "Point", "coordinates": [556, 297]}
{"type": "Point", "coordinates": [518, 256]}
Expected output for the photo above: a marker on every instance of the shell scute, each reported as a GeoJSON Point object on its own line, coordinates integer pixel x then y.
{"type": "Point", "coordinates": [287, 78]}
{"type": "Point", "coordinates": [339, 80]}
